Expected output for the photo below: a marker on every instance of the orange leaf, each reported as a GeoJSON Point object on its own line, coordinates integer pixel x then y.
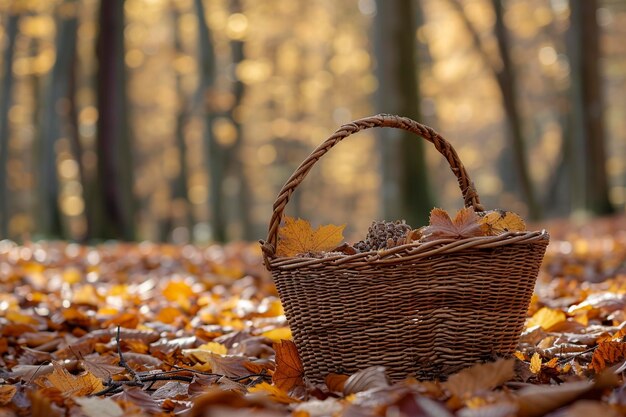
{"type": "Point", "coordinates": [606, 354]}
{"type": "Point", "coordinates": [480, 377]}
{"type": "Point", "coordinates": [297, 236]}
{"type": "Point", "coordinates": [289, 368]}
{"type": "Point", "coordinates": [465, 224]}
{"type": "Point", "coordinates": [496, 222]}
{"type": "Point", "coordinates": [535, 363]}
{"type": "Point", "coordinates": [336, 382]}
{"type": "Point", "coordinates": [274, 392]}
{"type": "Point", "coordinates": [78, 386]}
{"type": "Point", "coordinates": [6, 394]}
{"type": "Point", "coordinates": [546, 318]}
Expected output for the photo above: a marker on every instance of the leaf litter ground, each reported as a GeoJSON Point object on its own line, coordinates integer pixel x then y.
{"type": "Point", "coordinates": [158, 330]}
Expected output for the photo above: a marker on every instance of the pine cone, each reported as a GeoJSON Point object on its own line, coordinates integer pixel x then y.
{"type": "Point", "coordinates": [383, 235]}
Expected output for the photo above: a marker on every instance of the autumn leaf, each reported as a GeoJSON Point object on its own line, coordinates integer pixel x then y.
{"type": "Point", "coordinates": [607, 354]}
{"type": "Point", "coordinates": [546, 318]}
{"type": "Point", "coordinates": [496, 222]}
{"type": "Point", "coordinates": [6, 394]}
{"type": "Point", "coordinates": [289, 368]}
{"type": "Point", "coordinates": [78, 386]}
{"type": "Point", "coordinates": [535, 363]}
{"type": "Point", "coordinates": [336, 382]}
{"type": "Point", "coordinates": [297, 237]}
{"type": "Point", "coordinates": [280, 333]}
{"type": "Point", "coordinates": [100, 407]}
{"type": "Point", "coordinates": [466, 224]}
{"type": "Point", "coordinates": [368, 378]}
{"type": "Point", "coordinates": [275, 393]}
{"type": "Point", "coordinates": [480, 377]}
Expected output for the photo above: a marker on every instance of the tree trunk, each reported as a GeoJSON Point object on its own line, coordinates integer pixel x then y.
{"type": "Point", "coordinates": [116, 206]}
{"type": "Point", "coordinates": [5, 105]}
{"type": "Point", "coordinates": [405, 189]}
{"type": "Point", "coordinates": [179, 184]}
{"type": "Point", "coordinates": [587, 110]}
{"type": "Point", "coordinates": [505, 77]}
{"type": "Point", "coordinates": [506, 81]}
{"type": "Point", "coordinates": [52, 117]}
{"type": "Point", "coordinates": [216, 161]}
{"type": "Point", "coordinates": [235, 159]}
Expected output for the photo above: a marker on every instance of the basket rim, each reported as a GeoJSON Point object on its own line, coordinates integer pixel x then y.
{"type": "Point", "coordinates": [411, 251]}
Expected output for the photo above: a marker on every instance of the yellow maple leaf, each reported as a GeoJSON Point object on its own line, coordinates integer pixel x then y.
{"type": "Point", "coordinates": [280, 333]}
{"type": "Point", "coordinates": [496, 222]}
{"type": "Point", "coordinates": [535, 363]}
{"type": "Point", "coordinates": [546, 318]}
{"type": "Point", "coordinates": [297, 236]}
{"type": "Point", "coordinates": [74, 385]}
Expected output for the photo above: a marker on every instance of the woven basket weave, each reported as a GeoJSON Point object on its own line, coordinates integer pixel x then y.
{"type": "Point", "coordinates": [425, 310]}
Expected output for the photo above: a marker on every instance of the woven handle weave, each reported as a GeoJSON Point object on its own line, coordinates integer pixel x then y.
{"type": "Point", "coordinates": [470, 195]}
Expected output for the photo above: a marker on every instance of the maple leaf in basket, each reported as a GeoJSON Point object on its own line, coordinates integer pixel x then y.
{"type": "Point", "coordinates": [496, 222]}
{"type": "Point", "coordinates": [466, 224]}
{"type": "Point", "coordinates": [297, 236]}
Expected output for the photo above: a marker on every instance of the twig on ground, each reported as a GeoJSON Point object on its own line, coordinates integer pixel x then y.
{"type": "Point", "coordinates": [122, 362]}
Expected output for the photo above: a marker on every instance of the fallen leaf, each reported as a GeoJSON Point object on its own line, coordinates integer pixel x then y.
{"type": "Point", "coordinates": [366, 379]}
{"type": "Point", "coordinates": [6, 394]}
{"type": "Point", "coordinates": [546, 318]}
{"type": "Point", "coordinates": [172, 390]}
{"type": "Point", "coordinates": [71, 385]}
{"type": "Point", "coordinates": [280, 333]}
{"type": "Point", "coordinates": [138, 397]}
{"type": "Point", "coordinates": [496, 222]}
{"type": "Point", "coordinates": [535, 363]}
{"type": "Point", "coordinates": [214, 347]}
{"type": "Point", "coordinates": [480, 377]}
{"type": "Point", "coordinates": [466, 224]}
{"type": "Point", "coordinates": [336, 382]}
{"type": "Point", "coordinates": [297, 237]}
{"type": "Point", "coordinates": [586, 408]}
{"type": "Point", "coordinates": [289, 368]}
{"type": "Point", "coordinates": [607, 354]}
{"type": "Point", "coordinates": [100, 407]}
{"type": "Point", "coordinates": [492, 410]}
{"type": "Point", "coordinates": [275, 393]}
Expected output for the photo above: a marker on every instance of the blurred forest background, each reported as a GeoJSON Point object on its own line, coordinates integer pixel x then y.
{"type": "Point", "coordinates": [179, 120]}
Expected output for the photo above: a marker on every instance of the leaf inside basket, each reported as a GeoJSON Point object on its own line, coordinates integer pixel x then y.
{"type": "Point", "coordinates": [297, 236]}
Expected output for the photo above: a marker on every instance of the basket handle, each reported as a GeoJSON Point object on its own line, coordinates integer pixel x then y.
{"type": "Point", "coordinates": [470, 196]}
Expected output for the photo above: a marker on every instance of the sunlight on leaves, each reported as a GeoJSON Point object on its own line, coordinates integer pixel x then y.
{"type": "Point", "coordinates": [297, 236]}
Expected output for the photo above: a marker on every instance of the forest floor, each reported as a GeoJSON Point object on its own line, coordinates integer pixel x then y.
{"type": "Point", "coordinates": [150, 330]}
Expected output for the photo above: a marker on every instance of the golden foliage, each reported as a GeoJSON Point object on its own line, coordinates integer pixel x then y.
{"type": "Point", "coordinates": [297, 236]}
{"type": "Point", "coordinates": [535, 363]}
{"type": "Point", "coordinates": [289, 368]}
{"type": "Point", "coordinates": [496, 222]}
{"type": "Point", "coordinates": [546, 318]}
{"type": "Point", "coordinates": [607, 354]}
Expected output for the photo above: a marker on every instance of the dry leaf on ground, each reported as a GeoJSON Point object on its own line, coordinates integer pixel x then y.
{"type": "Point", "coordinates": [78, 386]}
{"type": "Point", "coordinates": [297, 236]}
{"type": "Point", "coordinates": [480, 377]}
{"type": "Point", "coordinates": [289, 368]}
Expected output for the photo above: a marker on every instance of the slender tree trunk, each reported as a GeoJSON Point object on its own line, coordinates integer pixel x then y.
{"type": "Point", "coordinates": [179, 184]}
{"type": "Point", "coordinates": [75, 143]}
{"type": "Point", "coordinates": [506, 80]}
{"type": "Point", "coordinates": [215, 154]}
{"type": "Point", "coordinates": [5, 105]}
{"type": "Point", "coordinates": [587, 112]}
{"type": "Point", "coordinates": [237, 166]}
{"type": "Point", "coordinates": [505, 77]}
{"type": "Point", "coordinates": [116, 206]}
{"type": "Point", "coordinates": [52, 117]}
{"type": "Point", "coordinates": [406, 192]}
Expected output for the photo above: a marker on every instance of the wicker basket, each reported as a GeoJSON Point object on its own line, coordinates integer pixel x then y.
{"type": "Point", "coordinates": [425, 310]}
